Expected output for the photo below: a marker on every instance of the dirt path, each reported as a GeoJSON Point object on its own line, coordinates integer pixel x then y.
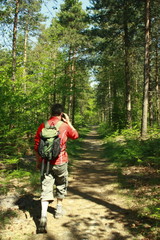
{"type": "Point", "coordinates": [94, 208]}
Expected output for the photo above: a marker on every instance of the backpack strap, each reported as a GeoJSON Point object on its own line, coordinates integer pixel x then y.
{"type": "Point", "coordinates": [58, 124]}
{"type": "Point", "coordinates": [46, 124]}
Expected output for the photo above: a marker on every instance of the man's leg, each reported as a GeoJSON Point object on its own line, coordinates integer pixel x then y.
{"type": "Point", "coordinates": [59, 208]}
{"type": "Point", "coordinates": [46, 197]}
{"type": "Point", "coordinates": [44, 208]}
{"type": "Point", "coordinates": [61, 181]}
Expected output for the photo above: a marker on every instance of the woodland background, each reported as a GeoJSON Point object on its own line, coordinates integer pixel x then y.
{"type": "Point", "coordinates": [101, 63]}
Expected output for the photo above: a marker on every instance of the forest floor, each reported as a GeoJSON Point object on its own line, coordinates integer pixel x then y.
{"type": "Point", "coordinates": [96, 207]}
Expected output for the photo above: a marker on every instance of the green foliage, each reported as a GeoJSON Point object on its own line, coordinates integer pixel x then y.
{"type": "Point", "coordinates": [153, 211]}
{"type": "Point", "coordinates": [5, 186]}
{"type": "Point", "coordinates": [105, 131]}
{"type": "Point", "coordinates": [132, 133]}
{"type": "Point", "coordinates": [18, 174]}
{"type": "Point", "coordinates": [74, 147]}
{"type": "Point", "coordinates": [80, 121]}
{"type": "Point", "coordinates": [34, 179]}
{"type": "Point", "coordinates": [128, 149]}
{"type": "Point", "coordinates": [11, 161]}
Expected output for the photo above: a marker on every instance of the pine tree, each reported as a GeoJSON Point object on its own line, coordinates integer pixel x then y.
{"type": "Point", "coordinates": [72, 19]}
{"type": "Point", "coordinates": [115, 24]}
{"type": "Point", "coordinates": [146, 70]}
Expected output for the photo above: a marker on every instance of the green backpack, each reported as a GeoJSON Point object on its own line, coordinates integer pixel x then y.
{"type": "Point", "coordinates": [49, 146]}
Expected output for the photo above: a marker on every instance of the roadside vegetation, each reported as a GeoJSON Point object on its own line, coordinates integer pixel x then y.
{"type": "Point", "coordinates": [137, 162]}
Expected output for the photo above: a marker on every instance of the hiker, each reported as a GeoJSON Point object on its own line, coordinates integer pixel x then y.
{"type": "Point", "coordinates": [58, 170]}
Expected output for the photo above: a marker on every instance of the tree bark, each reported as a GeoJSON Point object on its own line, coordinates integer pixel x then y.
{"type": "Point", "coordinates": [110, 103]}
{"type": "Point", "coordinates": [157, 82]}
{"type": "Point", "coordinates": [25, 56]}
{"type": "Point", "coordinates": [150, 105]}
{"type": "Point", "coordinates": [73, 84]}
{"type": "Point", "coordinates": [146, 71]}
{"type": "Point", "coordinates": [14, 41]}
{"type": "Point", "coordinates": [127, 69]}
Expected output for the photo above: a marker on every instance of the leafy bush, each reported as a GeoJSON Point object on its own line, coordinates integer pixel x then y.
{"type": "Point", "coordinates": [127, 149]}
{"type": "Point", "coordinates": [80, 121]}
{"type": "Point", "coordinates": [105, 130]}
{"type": "Point", "coordinates": [18, 174]}
{"type": "Point", "coordinates": [130, 133]}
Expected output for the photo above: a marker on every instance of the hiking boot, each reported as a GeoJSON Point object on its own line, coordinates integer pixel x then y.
{"type": "Point", "coordinates": [59, 211]}
{"type": "Point", "coordinates": [42, 225]}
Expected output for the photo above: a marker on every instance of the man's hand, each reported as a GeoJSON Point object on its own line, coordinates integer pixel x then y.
{"type": "Point", "coordinates": [65, 118]}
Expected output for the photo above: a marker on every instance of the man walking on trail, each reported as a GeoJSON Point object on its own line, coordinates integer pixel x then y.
{"type": "Point", "coordinates": [58, 170]}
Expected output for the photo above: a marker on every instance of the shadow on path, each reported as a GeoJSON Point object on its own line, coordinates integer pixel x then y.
{"type": "Point", "coordinates": [128, 216]}
{"type": "Point", "coordinates": [27, 203]}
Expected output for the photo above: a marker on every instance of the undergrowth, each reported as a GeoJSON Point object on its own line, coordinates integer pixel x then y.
{"type": "Point", "coordinates": [138, 164]}
{"type": "Point", "coordinates": [126, 148]}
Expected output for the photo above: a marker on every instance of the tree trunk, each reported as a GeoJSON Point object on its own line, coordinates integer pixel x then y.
{"type": "Point", "coordinates": [70, 86]}
{"type": "Point", "coordinates": [72, 97]}
{"type": "Point", "coordinates": [150, 105]}
{"type": "Point", "coordinates": [55, 81]}
{"type": "Point", "coordinates": [146, 71]}
{"type": "Point", "coordinates": [157, 83]}
{"type": "Point", "coordinates": [110, 102]}
{"type": "Point", "coordinates": [14, 42]}
{"type": "Point", "coordinates": [25, 56]}
{"type": "Point", "coordinates": [73, 107]}
{"type": "Point", "coordinates": [127, 70]}
{"type": "Point", "coordinates": [73, 84]}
